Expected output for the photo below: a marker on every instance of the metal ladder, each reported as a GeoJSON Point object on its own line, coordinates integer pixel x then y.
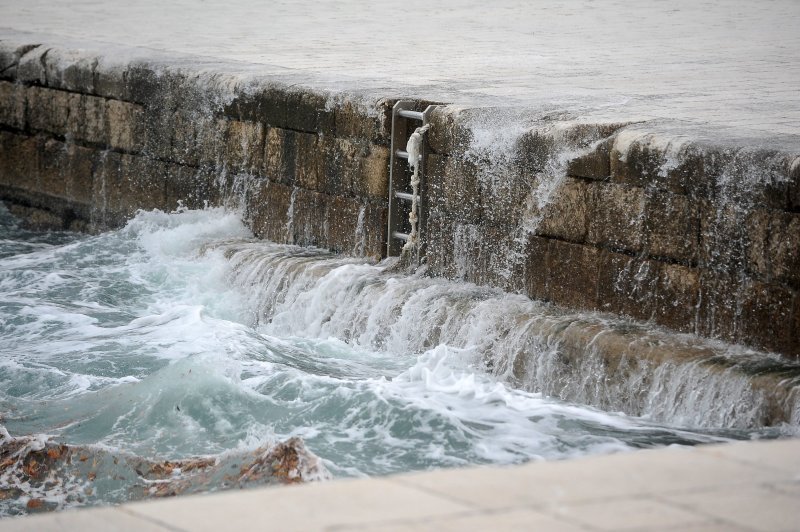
{"type": "Point", "coordinates": [400, 196]}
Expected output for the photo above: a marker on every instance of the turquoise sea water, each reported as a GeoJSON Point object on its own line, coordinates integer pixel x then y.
{"type": "Point", "coordinates": [153, 342]}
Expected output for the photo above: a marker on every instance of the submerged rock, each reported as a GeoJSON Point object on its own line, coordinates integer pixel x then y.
{"type": "Point", "coordinates": [40, 474]}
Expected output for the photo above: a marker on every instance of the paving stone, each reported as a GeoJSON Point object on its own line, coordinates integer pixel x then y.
{"type": "Point", "coordinates": [106, 519]}
{"type": "Point", "coordinates": [752, 506]}
{"type": "Point", "coordinates": [510, 520]}
{"type": "Point", "coordinates": [633, 514]}
{"type": "Point", "coordinates": [378, 501]}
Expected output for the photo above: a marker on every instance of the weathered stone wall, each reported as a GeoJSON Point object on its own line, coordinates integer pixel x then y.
{"type": "Point", "coordinates": [595, 217]}
{"type": "Point", "coordinates": [698, 236]}
{"type": "Point", "coordinates": [89, 146]}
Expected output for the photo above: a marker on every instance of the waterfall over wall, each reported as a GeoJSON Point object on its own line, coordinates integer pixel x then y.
{"type": "Point", "coordinates": [587, 358]}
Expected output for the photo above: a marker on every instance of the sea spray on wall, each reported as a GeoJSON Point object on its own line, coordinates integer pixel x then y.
{"type": "Point", "coordinates": [497, 187]}
{"type": "Point", "coordinates": [719, 206]}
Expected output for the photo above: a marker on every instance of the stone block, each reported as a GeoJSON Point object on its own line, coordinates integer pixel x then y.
{"type": "Point", "coordinates": [110, 81]}
{"type": "Point", "coordinates": [342, 168]}
{"type": "Point", "coordinates": [454, 188]}
{"type": "Point", "coordinates": [65, 170]}
{"type": "Point", "coordinates": [766, 317]}
{"type": "Point", "coordinates": [448, 134]}
{"type": "Point", "coordinates": [36, 219]}
{"type": "Point", "coordinates": [596, 164]}
{"type": "Point", "coordinates": [573, 273]}
{"type": "Point", "coordinates": [669, 163]}
{"type": "Point", "coordinates": [671, 226]}
{"type": "Point", "coordinates": [188, 186]}
{"type": "Point", "coordinates": [307, 225]}
{"type": "Point", "coordinates": [537, 274]}
{"type": "Point", "coordinates": [564, 215]}
{"type": "Point", "coordinates": [773, 239]}
{"type": "Point", "coordinates": [372, 180]}
{"type": "Point", "coordinates": [309, 161]}
{"type": "Point", "coordinates": [794, 184]}
{"type": "Point", "coordinates": [18, 160]}
{"type": "Point", "coordinates": [354, 120]}
{"type": "Point", "coordinates": [794, 344]}
{"type": "Point", "coordinates": [309, 112]}
{"type": "Point", "coordinates": [371, 230]}
{"type": "Point", "coordinates": [615, 216]}
{"type": "Point", "coordinates": [489, 256]}
{"type": "Point", "coordinates": [210, 141]}
{"type": "Point", "coordinates": [677, 297]}
{"type": "Point", "coordinates": [124, 183]}
{"type": "Point", "coordinates": [9, 60]}
{"type": "Point", "coordinates": [69, 70]}
{"type": "Point", "coordinates": [268, 105]}
{"type": "Point", "coordinates": [279, 156]}
{"type": "Point", "coordinates": [505, 194]}
{"type": "Point", "coordinates": [12, 105]}
{"type": "Point", "coordinates": [142, 84]}
{"type": "Point", "coordinates": [185, 144]}
{"type": "Point", "coordinates": [342, 216]}
{"type": "Point", "coordinates": [125, 125]}
{"type": "Point", "coordinates": [724, 238]}
{"type": "Point", "coordinates": [627, 285]}
{"type": "Point", "coordinates": [439, 245]}
{"type": "Point", "coordinates": [718, 311]}
{"type": "Point", "coordinates": [51, 110]}
{"type": "Point", "coordinates": [244, 148]}
{"type": "Point", "coordinates": [90, 123]}
{"type": "Point", "coordinates": [269, 210]}
{"type": "Point", "coordinates": [31, 64]}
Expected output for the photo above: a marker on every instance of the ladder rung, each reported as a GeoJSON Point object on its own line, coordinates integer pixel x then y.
{"type": "Point", "coordinates": [404, 196]}
{"type": "Point", "coordinates": [401, 236]}
{"type": "Point", "coordinates": [402, 154]}
{"type": "Point", "coordinates": [414, 115]}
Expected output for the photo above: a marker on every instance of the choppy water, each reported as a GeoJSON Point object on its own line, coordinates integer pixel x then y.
{"type": "Point", "coordinates": [178, 336]}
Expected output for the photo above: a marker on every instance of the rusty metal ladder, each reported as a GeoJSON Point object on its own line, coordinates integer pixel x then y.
{"type": "Point", "coordinates": [400, 194]}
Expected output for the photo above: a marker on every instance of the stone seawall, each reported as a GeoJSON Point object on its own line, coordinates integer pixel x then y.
{"type": "Point", "coordinates": [82, 147]}
{"type": "Point", "coordinates": [699, 234]}
{"type": "Point", "coordinates": [694, 232]}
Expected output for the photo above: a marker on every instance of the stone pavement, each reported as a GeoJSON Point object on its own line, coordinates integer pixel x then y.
{"type": "Point", "coordinates": [723, 63]}
{"type": "Point", "coordinates": [741, 486]}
